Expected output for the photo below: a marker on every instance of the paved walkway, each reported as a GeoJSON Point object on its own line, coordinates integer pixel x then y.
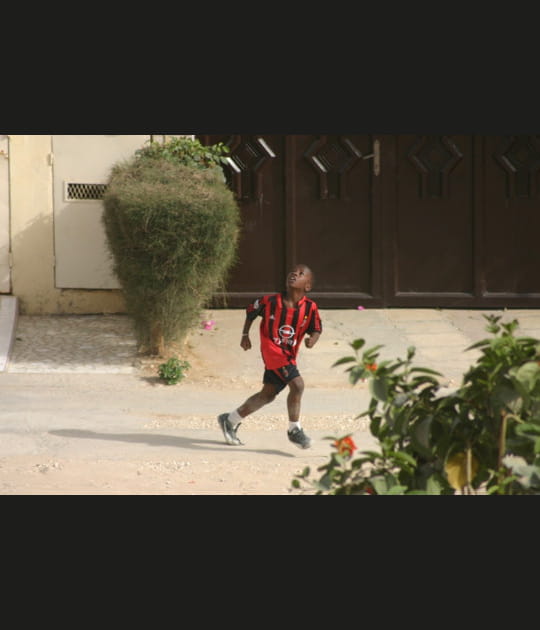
{"type": "Point", "coordinates": [8, 324]}
{"type": "Point", "coordinates": [105, 344]}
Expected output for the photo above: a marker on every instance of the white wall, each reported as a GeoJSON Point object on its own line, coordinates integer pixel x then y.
{"type": "Point", "coordinates": [35, 247]}
{"type": "Point", "coordinates": [32, 236]}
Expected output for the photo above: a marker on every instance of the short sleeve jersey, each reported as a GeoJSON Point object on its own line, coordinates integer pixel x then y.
{"type": "Point", "coordinates": [282, 329]}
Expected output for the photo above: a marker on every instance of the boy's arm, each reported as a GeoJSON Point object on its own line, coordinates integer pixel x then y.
{"type": "Point", "coordinates": [245, 342]}
{"type": "Point", "coordinates": [314, 330]}
{"type": "Point", "coordinates": [312, 339]}
{"type": "Point", "coordinates": [253, 310]}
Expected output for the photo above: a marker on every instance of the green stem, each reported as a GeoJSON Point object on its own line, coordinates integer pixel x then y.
{"type": "Point", "coordinates": [502, 438]}
{"type": "Point", "coordinates": [469, 469]}
{"type": "Point", "coordinates": [502, 445]}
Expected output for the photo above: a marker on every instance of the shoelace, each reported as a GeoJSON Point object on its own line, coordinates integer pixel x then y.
{"type": "Point", "coordinates": [298, 434]}
{"type": "Point", "coordinates": [235, 429]}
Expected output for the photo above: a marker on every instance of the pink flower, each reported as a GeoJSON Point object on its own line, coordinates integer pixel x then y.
{"type": "Point", "coordinates": [208, 325]}
{"type": "Point", "coordinates": [361, 308]}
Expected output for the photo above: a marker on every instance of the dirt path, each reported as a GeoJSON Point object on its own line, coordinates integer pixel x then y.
{"type": "Point", "coordinates": [129, 434]}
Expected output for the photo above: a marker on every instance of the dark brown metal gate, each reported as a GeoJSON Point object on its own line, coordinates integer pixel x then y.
{"type": "Point", "coordinates": [389, 220]}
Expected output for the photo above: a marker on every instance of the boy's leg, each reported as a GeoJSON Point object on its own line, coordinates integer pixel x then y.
{"type": "Point", "coordinates": [258, 400]}
{"type": "Point", "coordinates": [230, 422]}
{"type": "Point", "coordinates": [294, 399]}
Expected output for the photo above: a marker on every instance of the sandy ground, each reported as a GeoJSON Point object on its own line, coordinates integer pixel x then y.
{"type": "Point", "coordinates": [81, 413]}
{"type": "Point", "coordinates": [125, 434]}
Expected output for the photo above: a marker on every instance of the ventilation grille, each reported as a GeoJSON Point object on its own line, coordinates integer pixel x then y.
{"type": "Point", "coordinates": [84, 192]}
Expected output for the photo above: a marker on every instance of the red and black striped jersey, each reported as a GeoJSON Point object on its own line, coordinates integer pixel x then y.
{"type": "Point", "coordinates": [282, 329]}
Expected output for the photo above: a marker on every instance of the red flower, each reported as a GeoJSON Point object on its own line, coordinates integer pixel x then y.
{"type": "Point", "coordinates": [372, 367]}
{"type": "Point", "coordinates": [345, 446]}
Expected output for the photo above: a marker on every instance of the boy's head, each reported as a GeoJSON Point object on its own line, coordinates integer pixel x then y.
{"type": "Point", "coordinates": [300, 277]}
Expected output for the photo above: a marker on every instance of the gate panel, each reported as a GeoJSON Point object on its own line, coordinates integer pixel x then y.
{"type": "Point", "coordinates": [256, 176]}
{"type": "Point", "coordinates": [511, 219]}
{"type": "Point", "coordinates": [81, 169]}
{"type": "Point", "coordinates": [451, 221]}
{"type": "Point", "coordinates": [431, 222]}
{"type": "Point", "coordinates": [333, 223]}
{"type": "Point", "coordinates": [5, 274]}
{"type": "Point", "coordinates": [304, 198]}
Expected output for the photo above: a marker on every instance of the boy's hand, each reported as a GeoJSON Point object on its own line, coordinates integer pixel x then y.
{"type": "Point", "coordinates": [245, 342]}
{"type": "Point", "coordinates": [312, 340]}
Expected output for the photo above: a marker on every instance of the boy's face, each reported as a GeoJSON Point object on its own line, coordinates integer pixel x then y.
{"type": "Point", "coordinates": [300, 277]}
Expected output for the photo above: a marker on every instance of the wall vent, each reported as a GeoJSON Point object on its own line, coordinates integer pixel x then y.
{"type": "Point", "coordinates": [84, 192]}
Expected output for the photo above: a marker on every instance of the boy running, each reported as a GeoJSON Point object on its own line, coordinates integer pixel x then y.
{"type": "Point", "coordinates": [286, 318]}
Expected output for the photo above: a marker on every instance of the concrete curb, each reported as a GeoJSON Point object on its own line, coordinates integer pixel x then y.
{"type": "Point", "coordinates": [9, 311]}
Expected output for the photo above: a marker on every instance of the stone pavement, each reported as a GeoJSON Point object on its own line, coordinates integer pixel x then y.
{"type": "Point", "coordinates": [105, 344]}
{"type": "Point", "coordinates": [78, 414]}
{"type": "Point", "coordinates": [8, 324]}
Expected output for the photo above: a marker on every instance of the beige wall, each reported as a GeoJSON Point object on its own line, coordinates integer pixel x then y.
{"type": "Point", "coordinates": [32, 237]}
{"type": "Point", "coordinates": [5, 267]}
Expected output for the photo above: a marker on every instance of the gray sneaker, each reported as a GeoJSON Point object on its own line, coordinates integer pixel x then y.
{"type": "Point", "coordinates": [228, 431]}
{"type": "Point", "coordinates": [299, 438]}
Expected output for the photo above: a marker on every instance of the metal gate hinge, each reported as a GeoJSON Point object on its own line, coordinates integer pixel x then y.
{"type": "Point", "coordinates": [376, 155]}
{"type": "Point", "coordinates": [377, 158]}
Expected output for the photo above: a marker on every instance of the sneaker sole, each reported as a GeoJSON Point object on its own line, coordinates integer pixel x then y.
{"type": "Point", "coordinates": [301, 446]}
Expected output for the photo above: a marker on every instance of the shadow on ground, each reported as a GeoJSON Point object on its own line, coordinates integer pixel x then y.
{"type": "Point", "coordinates": [162, 440]}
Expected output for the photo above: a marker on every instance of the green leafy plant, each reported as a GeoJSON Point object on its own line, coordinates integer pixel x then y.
{"type": "Point", "coordinates": [172, 230]}
{"type": "Point", "coordinates": [173, 371]}
{"type": "Point", "coordinates": [485, 436]}
{"type": "Point", "coordinates": [187, 151]}
{"type": "Point", "coordinates": [498, 407]}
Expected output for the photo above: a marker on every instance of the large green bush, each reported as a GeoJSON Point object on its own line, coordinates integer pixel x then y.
{"type": "Point", "coordinates": [172, 230]}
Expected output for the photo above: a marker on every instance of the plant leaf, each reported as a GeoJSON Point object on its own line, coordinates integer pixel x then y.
{"type": "Point", "coordinates": [371, 351]}
{"type": "Point", "coordinates": [528, 374]}
{"type": "Point", "coordinates": [528, 476]}
{"type": "Point", "coordinates": [379, 389]}
{"type": "Point", "coordinates": [344, 360]}
{"type": "Point", "coordinates": [357, 344]}
{"type": "Point", "coordinates": [394, 490]}
{"type": "Point", "coordinates": [433, 485]}
{"type": "Point", "coordinates": [420, 436]}
{"type": "Point", "coordinates": [404, 457]}
{"type": "Point", "coordinates": [426, 371]}
{"type": "Point", "coordinates": [456, 470]}
{"type": "Point", "coordinates": [479, 344]}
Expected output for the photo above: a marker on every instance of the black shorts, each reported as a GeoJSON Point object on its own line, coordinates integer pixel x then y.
{"type": "Point", "coordinates": [281, 377]}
